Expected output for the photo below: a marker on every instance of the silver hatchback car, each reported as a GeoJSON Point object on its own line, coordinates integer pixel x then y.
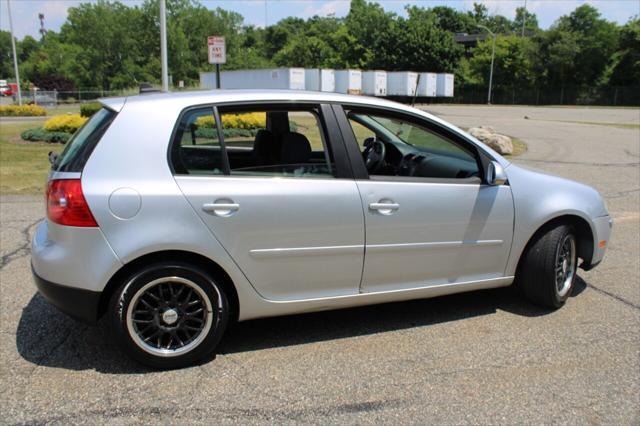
{"type": "Point", "coordinates": [174, 214]}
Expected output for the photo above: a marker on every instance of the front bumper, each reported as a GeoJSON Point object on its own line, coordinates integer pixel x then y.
{"type": "Point", "coordinates": [78, 303]}
{"type": "Point", "coordinates": [601, 237]}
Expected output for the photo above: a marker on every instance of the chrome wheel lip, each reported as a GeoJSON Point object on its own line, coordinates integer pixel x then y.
{"type": "Point", "coordinates": [163, 352]}
{"type": "Point", "coordinates": [565, 265]}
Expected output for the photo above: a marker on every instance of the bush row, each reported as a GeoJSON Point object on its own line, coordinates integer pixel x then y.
{"type": "Point", "coordinates": [22, 111]}
{"type": "Point", "coordinates": [87, 110]}
{"type": "Point", "coordinates": [211, 133]}
{"type": "Point", "coordinates": [250, 120]}
{"type": "Point", "coordinates": [40, 135]}
{"type": "Point", "coordinates": [67, 123]}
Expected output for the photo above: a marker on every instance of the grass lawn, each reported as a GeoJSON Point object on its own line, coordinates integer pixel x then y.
{"type": "Point", "coordinates": [23, 165]}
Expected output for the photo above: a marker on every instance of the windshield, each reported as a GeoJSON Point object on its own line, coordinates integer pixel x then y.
{"type": "Point", "coordinates": [81, 145]}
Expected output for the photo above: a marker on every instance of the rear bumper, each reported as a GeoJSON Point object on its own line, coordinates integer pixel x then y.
{"type": "Point", "coordinates": [78, 303]}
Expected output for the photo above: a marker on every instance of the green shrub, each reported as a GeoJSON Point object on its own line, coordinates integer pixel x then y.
{"type": "Point", "coordinates": [38, 134]}
{"type": "Point", "coordinates": [87, 110]}
{"type": "Point", "coordinates": [211, 133]}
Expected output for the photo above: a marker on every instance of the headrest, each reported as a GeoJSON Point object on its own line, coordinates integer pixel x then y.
{"type": "Point", "coordinates": [264, 148]}
{"type": "Point", "coordinates": [295, 148]}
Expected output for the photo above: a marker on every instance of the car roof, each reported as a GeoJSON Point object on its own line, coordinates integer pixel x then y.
{"type": "Point", "coordinates": [185, 99]}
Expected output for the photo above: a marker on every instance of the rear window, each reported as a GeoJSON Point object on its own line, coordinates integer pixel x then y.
{"type": "Point", "coordinates": [81, 145]}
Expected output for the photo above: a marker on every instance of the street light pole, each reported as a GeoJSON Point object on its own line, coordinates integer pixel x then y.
{"type": "Point", "coordinates": [163, 46]}
{"type": "Point", "coordinates": [15, 57]}
{"type": "Point", "coordinates": [493, 55]}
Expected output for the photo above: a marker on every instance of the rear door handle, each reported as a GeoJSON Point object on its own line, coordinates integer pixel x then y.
{"type": "Point", "coordinates": [221, 207]}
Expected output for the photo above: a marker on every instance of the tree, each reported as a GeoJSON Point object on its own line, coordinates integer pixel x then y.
{"type": "Point", "coordinates": [625, 69]}
{"type": "Point", "coordinates": [530, 21]}
{"type": "Point", "coordinates": [6, 55]}
{"type": "Point", "coordinates": [578, 48]}
{"type": "Point", "coordinates": [449, 19]}
{"type": "Point", "coordinates": [514, 61]}
{"type": "Point", "coordinates": [424, 46]}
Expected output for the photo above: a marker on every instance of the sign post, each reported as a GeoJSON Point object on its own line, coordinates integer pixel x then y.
{"type": "Point", "coordinates": [217, 54]}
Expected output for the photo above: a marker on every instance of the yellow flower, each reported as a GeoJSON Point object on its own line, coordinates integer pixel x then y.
{"type": "Point", "coordinates": [22, 111]}
{"type": "Point", "coordinates": [68, 123]}
{"type": "Point", "coordinates": [249, 120]}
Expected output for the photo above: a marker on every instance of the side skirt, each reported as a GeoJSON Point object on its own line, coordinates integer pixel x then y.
{"type": "Point", "coordinates": [270, 308]}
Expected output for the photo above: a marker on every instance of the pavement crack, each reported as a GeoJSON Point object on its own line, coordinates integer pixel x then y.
{"type": "Point", "coordinates": [23, 250]}
{"type": "Point", "coordinates": [614, 296]}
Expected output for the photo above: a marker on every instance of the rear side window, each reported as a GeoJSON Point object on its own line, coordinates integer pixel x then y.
{"type": "Point", "coordinates": [196, 148]}
{"type": "Point", "coordinates": [81, 145]}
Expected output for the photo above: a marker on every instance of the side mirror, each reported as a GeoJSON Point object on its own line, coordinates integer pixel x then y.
{"type": "Point", "coordinates": [495, 174]}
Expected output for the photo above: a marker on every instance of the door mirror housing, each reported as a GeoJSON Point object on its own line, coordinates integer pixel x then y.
{"type": "Point", "coordinates": [495, 174]}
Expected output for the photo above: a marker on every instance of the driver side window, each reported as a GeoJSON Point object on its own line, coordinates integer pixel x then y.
{"type": "Point", "coordinates": [399, 146]}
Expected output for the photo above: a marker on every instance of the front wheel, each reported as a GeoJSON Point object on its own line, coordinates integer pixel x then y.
{"type": "Point", "coordinates": [169, 315]}
{"type": "Point", "coordinates": [548, 269]}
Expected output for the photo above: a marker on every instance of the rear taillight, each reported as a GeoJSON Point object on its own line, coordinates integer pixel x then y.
{"type": "Point", "coordinates": [66, 204]}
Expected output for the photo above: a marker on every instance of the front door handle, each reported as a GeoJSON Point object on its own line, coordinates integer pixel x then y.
{"type": "Point", "coordinates": [223, 207]}
{"type": "Point", "coordinates": [384, 206]}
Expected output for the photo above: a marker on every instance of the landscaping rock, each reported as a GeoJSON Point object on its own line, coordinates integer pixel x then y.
{"type": "Point", "coordinates": [500, 143]}
{"type": "Point", "coordinates": [487, 134]}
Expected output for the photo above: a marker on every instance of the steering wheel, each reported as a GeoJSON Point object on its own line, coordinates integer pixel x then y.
{"type": "Point", "coordinates": [373, 154]}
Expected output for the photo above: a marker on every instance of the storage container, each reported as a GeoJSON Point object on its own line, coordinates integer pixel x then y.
{"type": "Point", "coordinates": [349, 81]}
{"type": "Point", "coordinates": [445, 85]}
{"type": "Point", "coordinates": [320, 80]}
{"type": "Point", "coordinates": [374, 83]}
{"type": "Point", "coordinates": [427, 85]}
{"type": "Point", "coordinates": [280, 78]}
{"type": "Point", "coordinates": [401, 83]}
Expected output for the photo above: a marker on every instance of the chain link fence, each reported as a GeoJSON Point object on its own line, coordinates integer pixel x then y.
{"type": "Point", "coordinates": [565, 95]}
{"type": "Point", "coordinates": [465, 94]}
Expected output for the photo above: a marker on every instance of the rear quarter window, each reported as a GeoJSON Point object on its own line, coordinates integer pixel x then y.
{"type": "Point", "coordinates": [81, 145]}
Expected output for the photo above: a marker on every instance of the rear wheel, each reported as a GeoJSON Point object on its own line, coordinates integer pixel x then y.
{"type": "Point", "coordinates": [169, 315]}
{"type": "Point", "coordinates": [548, 269]}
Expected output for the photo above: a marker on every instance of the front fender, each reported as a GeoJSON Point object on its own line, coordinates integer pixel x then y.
{"type": "Point", "coordinates": [539, 198]}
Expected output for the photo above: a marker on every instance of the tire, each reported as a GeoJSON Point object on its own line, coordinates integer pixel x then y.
{"type": "Point", "coordinates": [544, 276]}
{"type": "Point", "coordinates": [169, 315]}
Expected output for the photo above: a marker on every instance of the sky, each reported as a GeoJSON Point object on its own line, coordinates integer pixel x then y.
{"type": "Point", "coordinates": [267, 12]}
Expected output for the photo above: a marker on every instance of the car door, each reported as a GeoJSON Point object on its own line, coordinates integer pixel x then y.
{"type": "Point", "coordinates": [274, 187]}
{"type": "Point", "coordinates": [429, 221]}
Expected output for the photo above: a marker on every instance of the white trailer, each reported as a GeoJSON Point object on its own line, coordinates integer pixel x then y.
{"type": "Point", "coordinates": [279, 78]}
{"type": "Point", "coordinates": [320, 80]}
{"type": "Point", "coordinates": [402, 83]}
{"type": "Point", "coordinates": [445, 85]}
{"type": "Point", "coordinates": [349, 81]}
{"type": "Point", "coordinates": [374, 83]}
{"type": "Point", "coordinates": [427, 85]}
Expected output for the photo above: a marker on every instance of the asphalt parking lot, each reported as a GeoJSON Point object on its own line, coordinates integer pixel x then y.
{"type": "Point", "coordinates": [478, 358]}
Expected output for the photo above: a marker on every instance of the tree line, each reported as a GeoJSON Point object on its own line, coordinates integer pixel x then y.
{"type": "Point", "coordinates": [111, 46]}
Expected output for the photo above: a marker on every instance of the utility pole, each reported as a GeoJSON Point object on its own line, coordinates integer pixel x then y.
{"type": "Point", "coordinates": [493, 55]}
{"type": "Point", "coordinates": [524, 17]}
{"type": "Point", "coordinates": [15, 57]}
{"type": "Point", "coordinates": [163, 45]}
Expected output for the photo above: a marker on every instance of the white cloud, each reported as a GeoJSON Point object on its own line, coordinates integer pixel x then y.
{"type": "Point", "coordinates": [329, 8]}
